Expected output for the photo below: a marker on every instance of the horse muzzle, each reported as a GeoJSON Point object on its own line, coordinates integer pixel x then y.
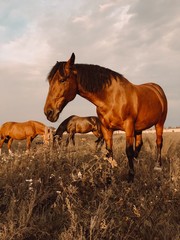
{"type": "Point", "coordinates": [52, 115]}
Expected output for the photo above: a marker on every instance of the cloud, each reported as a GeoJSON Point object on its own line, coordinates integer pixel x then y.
{"type": "Point", "coordinates": [139, 39]}
{"type": "Point", "coordinates": [105, 6]}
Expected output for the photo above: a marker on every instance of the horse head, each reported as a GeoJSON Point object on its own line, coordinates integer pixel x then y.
{"type": "Point", "coordinates": [62, 88]}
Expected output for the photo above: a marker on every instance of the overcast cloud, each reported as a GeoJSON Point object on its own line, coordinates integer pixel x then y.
{"type": "Point", "coordinates": [138, 38]}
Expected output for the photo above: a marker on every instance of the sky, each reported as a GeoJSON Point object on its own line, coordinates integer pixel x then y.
{"type": "Point", "coordinates": [137, 38]}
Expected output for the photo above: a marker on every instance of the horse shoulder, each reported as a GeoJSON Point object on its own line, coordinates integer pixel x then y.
{"type": "Point", "coordinates": [8, 128]}
{"type": "Point", "coordinates": [38, 127]}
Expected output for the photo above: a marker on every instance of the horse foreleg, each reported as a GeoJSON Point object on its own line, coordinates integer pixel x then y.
{"type": "Point", "coordinates": [107, 133]}
{"type": "Point", "coordinates": [67, 140]}
{"type": "Point", "coordinates": [138, 144]}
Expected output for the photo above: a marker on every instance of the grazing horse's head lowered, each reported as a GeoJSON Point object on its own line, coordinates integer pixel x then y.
{"type": "Point", "coordinates": [120, 104]}
{"type": "Point", "coordinates": [76, 124]}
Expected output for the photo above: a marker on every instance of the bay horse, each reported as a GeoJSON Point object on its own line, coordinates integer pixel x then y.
{"type": "Point", "coordinates": [10, 131]}
{"type": "Point", "coordinates": [120, 104]}
{"type": "Point", "coordinates": [76, 124]}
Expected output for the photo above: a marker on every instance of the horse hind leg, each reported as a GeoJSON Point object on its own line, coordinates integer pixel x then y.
{"type": "Point", "coordinates": [138, 144]}
{"type": "Point", "coordinates": [1, 144]}
{"type": "Point", "coordinates": [159, 144]}
{"type": "Point", "coordinates": [9, 146]}
{"type": "Point", "coordinates": [70, 138]}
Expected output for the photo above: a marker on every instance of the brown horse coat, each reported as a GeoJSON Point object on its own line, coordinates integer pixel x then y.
{"type": "Point", "coordinates": [23, 130]}
{"type": "Point", "coordinates": [120, 104]}
{"type": "Point", "coordinates": [76, 124]}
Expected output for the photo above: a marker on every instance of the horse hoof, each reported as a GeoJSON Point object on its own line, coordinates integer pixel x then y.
{"type": "Point", "coordinates": [131, 177]}
{"type": "Point", "coordinates": [158, 168]}
{"type": "Point", "coordinates": [108, 181]}
{"type": "Point", "coordinates": [111, 161]}
{"type": "Point", "coordinates": [11, 153]}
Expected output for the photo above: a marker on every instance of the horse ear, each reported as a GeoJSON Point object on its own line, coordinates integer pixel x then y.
{"type": "Point", "coordinates": [72, 59]}
{"type": "Point", "coordinates": [70, 63]}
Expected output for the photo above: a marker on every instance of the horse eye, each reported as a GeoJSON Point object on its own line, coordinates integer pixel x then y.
{"type": "Point", "coordinates": [63, 79]}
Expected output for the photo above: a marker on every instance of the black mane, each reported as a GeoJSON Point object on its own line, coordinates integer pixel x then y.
{"type": "Point", "coordinates": [58, 66]}
{"type": "Point", "coordinates": [92, 77]}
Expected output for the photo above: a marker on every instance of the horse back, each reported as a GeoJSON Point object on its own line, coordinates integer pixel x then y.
{"type": "Point", "coordinates": [64, 125]}
{"type": "Point", "coordinates": [79, 124]}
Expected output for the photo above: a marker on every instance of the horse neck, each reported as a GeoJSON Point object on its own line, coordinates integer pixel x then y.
{"type": "Point", "coordinates": [63, 126]}
{"type": "Point", "coordinates": [41, 130]}
{"type": "Point", "coordinates": [98, 98]}
{"type": "Point", "coordinates": [94, 97]}
{"type": "Point", "coordinates": [60, 131]}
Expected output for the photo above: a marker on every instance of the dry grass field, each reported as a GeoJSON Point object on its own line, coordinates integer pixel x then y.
{"type": "Point", "coordinates": [73, 194]}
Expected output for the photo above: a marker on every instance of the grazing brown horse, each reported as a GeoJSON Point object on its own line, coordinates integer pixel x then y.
{"type": "Point", "coordinates": [75, 124]}
{"type": "Point", "coordinates": [120, 104]}
{"type": "Point", "coordinates": [20, 131]}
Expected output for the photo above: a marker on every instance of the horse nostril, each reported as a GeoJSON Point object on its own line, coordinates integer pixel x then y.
{"type": "Point", "coordinates": [49, 113]}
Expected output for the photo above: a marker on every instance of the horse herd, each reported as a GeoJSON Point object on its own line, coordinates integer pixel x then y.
{"type": "Point", "coordinates": [120, 105]}
{"type": "Point", "coordinates": [10, 131]}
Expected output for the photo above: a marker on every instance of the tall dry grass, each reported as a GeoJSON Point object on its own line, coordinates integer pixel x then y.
{"type": "Point", "coordinates": [72, 193]}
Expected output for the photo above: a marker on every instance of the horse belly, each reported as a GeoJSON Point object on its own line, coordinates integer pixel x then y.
{"type": "Point", "coordinates": [85, 127]}
{"type": "Point", "coordinates": [17, 133]}
{"type": "Point", "coordinates": [21, 132]}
